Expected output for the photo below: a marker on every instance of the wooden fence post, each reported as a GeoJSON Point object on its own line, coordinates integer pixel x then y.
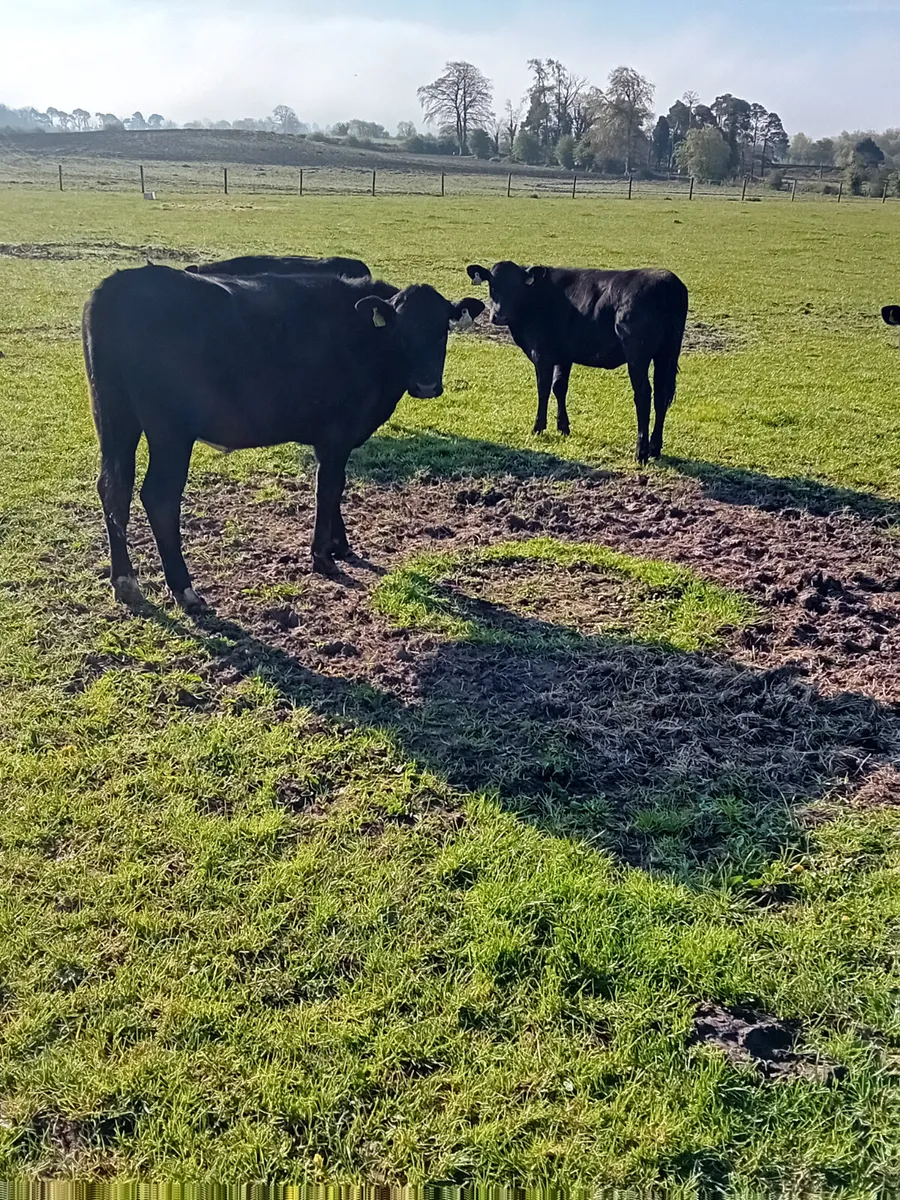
{"type": "Point", "coordinates": [225, 179]}
{"type": "Point", "coordinates": [744, 190]}
{"type": "Point", "coordinates": [301, 182]}
{"type": "Point", "coordinates": [509, 185]}
{"type": "Point", "coordinates": [143, 189]}
{"type": "Point", "coordinates": [373, 183]}
{"type": "Point", "coordinates": [793, 190]}
{"type": "Point", "coordinates": [884, 195]}
{"type": "Point", "coordinates": [574, 185]}
{"type": "Point", "coordinates": [691, 193]}
{"type": "Point", "coordinates": [60, 177]}
{"type": "Point", "coordinates": [442, 183]}
{"type": "Point", "coordinates": [840, 191]}
{"type": "Point", "coordinates": [630, 185]}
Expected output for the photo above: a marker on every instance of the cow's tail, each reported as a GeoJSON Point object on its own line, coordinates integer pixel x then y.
{"type": "Point", "coordinates": [665, 363]}
{"type": "Point", "coordinates": [117, 425]}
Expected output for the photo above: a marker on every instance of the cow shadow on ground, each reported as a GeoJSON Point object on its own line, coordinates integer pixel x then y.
{"type": "Point", "coordinates": [735, 485]}
{"type": "Point", "coordinates": [685, 764]}
{"type": "Point", "coordinates": [411, 453]}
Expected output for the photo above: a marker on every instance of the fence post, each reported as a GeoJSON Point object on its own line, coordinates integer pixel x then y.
{"type": "Point", "coordinates": [225, 179]}
{"type": "Point", "coordinates": [744, 190]}
{"type": "Point", "coordinates": [574, 185]}
{"type": "Point", "coordinates": [60, 177]}
{"type": "Point", "coordinates": [373, 183]}
{"type": "Point", "coordinates": [691, 193]}
{"type": "Point", "coordinates": [630, 185]}
{"type": "Point", "coordinates": [143, 189]}
{"type": "Point", "coordinates": [442, 183]}
{"type": "Point", "coordinates": [884, 195]}
{"type": "Point", "coordinates": [840, 191]}
{"type": "Point", "coordinates": [793, 190]}
{"type": "Point", "coordinates": [509, 185]}
{"type": "Point", "coordinates": [300, 185]}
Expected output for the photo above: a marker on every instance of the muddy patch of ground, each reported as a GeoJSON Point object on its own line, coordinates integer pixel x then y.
{"type": "Point", "coordinates": [699, 336]}
{"type": "Point", "coordinates": [749, 1038]}
{"type": "Point", "coordinates": [74, 251]}
{"type": "Point", "coordinates": [631, 743]}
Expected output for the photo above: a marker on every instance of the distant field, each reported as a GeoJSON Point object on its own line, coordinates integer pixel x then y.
{"type": "Point", "coordinates": [458, 868]}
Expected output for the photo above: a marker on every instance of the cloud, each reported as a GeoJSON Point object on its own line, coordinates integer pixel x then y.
{"type": "Point", "coordinates": [197, 58]}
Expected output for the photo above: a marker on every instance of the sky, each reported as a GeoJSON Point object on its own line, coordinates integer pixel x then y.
{"type": "Point", "coordinates": [823, 66]}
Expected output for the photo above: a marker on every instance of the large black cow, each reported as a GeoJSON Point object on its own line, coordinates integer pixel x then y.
{"type": "Point", "coordinates": [561, 316]}
{"type": "Point", "coordinates": [293, 264]}
{"type": "Point", "coordinates": [237, 363]}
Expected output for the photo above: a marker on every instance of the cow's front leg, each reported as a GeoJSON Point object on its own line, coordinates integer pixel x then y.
{"type": "Point", "coordinates": [561, 373]}
{"type": "Point", "coordinates": [329, 526]}
{"type": "Point", "coordinates": [544, 372]}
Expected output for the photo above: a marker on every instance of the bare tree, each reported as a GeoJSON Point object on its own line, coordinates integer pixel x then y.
{"type": "Point", "coordinates": [285, 119]}
{"type": "Point", "coordinates": [512, 119]}
{"type": "Point", "coordinates": [461, 97]}
{"type": "Point", "coordinates": [628, 100]}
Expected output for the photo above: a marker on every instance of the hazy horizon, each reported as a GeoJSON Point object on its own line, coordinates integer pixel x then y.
{"type": "Point", "coordinates": [822, 69]}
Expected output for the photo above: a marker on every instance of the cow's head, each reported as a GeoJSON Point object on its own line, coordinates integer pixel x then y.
{"type": "Point", "coordinates": [891, 314]}
{"type": "Point", "coordinates": [511, 287]}
{"type": "Point", "coordinates": [419, 319]}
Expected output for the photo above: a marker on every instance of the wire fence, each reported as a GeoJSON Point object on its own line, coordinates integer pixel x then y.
{"type": "Point", "coordinates": [159, 178]}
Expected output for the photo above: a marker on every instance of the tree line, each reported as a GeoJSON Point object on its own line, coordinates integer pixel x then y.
{"type": "Point", "coordinates": [562, 120]}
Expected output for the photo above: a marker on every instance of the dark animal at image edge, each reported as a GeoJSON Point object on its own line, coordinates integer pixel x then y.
{"type": "Point", "coordinates": [891, 314]}
{"type": "Point", "coordinates": [561, 316]}
{"type": "Point", "coordinates": [296, 264]}
{"type": "Point", "coordinates": [246, 362]}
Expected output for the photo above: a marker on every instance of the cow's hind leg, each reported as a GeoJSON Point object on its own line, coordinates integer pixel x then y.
{"type": "Point", "coordinates": [639, 373]}
{"type": "Point", "coordinates": [329, 527]}
{"type": "Point", "coordinates": [561, 374]}
{"type": "Point", "coordinates": [665, 376]}
{"type": "Point", "coordinates": [161, 495]}
{"type": "Point", "coordinates": [115, 487]}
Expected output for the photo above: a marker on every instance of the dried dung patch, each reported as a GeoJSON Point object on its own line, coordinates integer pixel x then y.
{"type": "Point", "coordinates": [749, 1038]}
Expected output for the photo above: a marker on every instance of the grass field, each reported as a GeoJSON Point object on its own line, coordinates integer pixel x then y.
{"type": "Point", "coordinates": [426, 874]}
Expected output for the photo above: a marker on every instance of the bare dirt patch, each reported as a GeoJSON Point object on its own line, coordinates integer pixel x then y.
{"type": "Point", "coordinates": [75, 251]}
{"type": "Point", "coordinates": [639, 746]}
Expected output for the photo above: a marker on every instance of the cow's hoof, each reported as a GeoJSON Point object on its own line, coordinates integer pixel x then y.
{"type": "Point", "coordinates": [539, 429]}
{"type": "Point", "coordinates": [188, 600]}
{"type": "Point", "coordinates": [342, 551]}
{"type": "Point", "coordinates": [323, 564]}
{"type": "Point", "coordinates": [127, 590]}
{"type": "Point", "coordinates": [562, 430]}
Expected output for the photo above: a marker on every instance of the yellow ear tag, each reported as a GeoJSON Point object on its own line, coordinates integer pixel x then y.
{"type": "Point", "coordinates": [377, 319]}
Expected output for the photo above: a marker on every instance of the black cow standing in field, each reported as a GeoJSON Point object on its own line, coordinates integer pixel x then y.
{"type": "Point", "coordinates": [561, 316]}
{"type": "Point", "coordinates": [244, 362]}
{"type": "Point", "coordinates": [891, 314]}
{"type": "Point", "coordinates": [294, 264]}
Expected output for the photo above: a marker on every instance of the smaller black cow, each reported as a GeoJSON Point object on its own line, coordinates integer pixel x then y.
{"type": "Point", "coordinates": [243, 362]}
{"type": "Point", "coordinates": [293, 264]}
{"type": "Point", "coordinates": [561, 316]}
{"type": "Point", "coordinates": [891, 314]}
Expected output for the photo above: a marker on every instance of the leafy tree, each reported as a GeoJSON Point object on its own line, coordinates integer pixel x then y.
{"type": "Point", "coordinates": [156, 121]}
{"type": "Point", "coordinates": [662, 143]}
{"type": "Point", "coordinates": [555, 100]}
{"type": "Point", "coordinates": [285, 119]}
{"type": "Point", "coordinates": [868, 154]}
{"type": "Point", "coordinates": [136, 121]}
{"type": "Point", "coordinates": [775, 139]}
{"type": "Point", "coordinates": [512, 119]}
{"type": "Point", "coordinates": [339, 129]}
{"type": "Point", "coordinates": [461, 97]}
{"type": "Point", "coordinates": [705, 154]}
{"type": "Point", "coordinates": [825, 151]}
{"type": "Point", "coordinates": [406, 129]}
{"type": "Point", "coordinates": [802, 149]}
{"type": "Point", "coordinates": [527, 148]}
{"type": "Point", "coordinates": [366, 129]}
{"type": "Point", "coordinates": [82, 119]}
{"type": "Point", "coordinates": [480, 143]}
{"type": "Point", "coordinates": [565, 152]}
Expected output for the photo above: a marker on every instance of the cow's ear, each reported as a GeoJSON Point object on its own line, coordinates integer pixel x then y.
{"type": "Point", "coordinates": [377, 310]}
{"type": "Point", "coordinates": [534, 274]}
{"type": "Point", "coordinates": [891, 314]}
{"type": "Point", "coordinates": [464, 314]}
{"type": "Point", "coordinates": [193, 269]}
{"type": "Point", "coordinates": [478, 274]}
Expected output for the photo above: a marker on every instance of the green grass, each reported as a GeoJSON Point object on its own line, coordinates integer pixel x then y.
{"type": "Point", "coordinates": [669, 605]}
{"type": "Point", "coordinates": [258, 931]}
